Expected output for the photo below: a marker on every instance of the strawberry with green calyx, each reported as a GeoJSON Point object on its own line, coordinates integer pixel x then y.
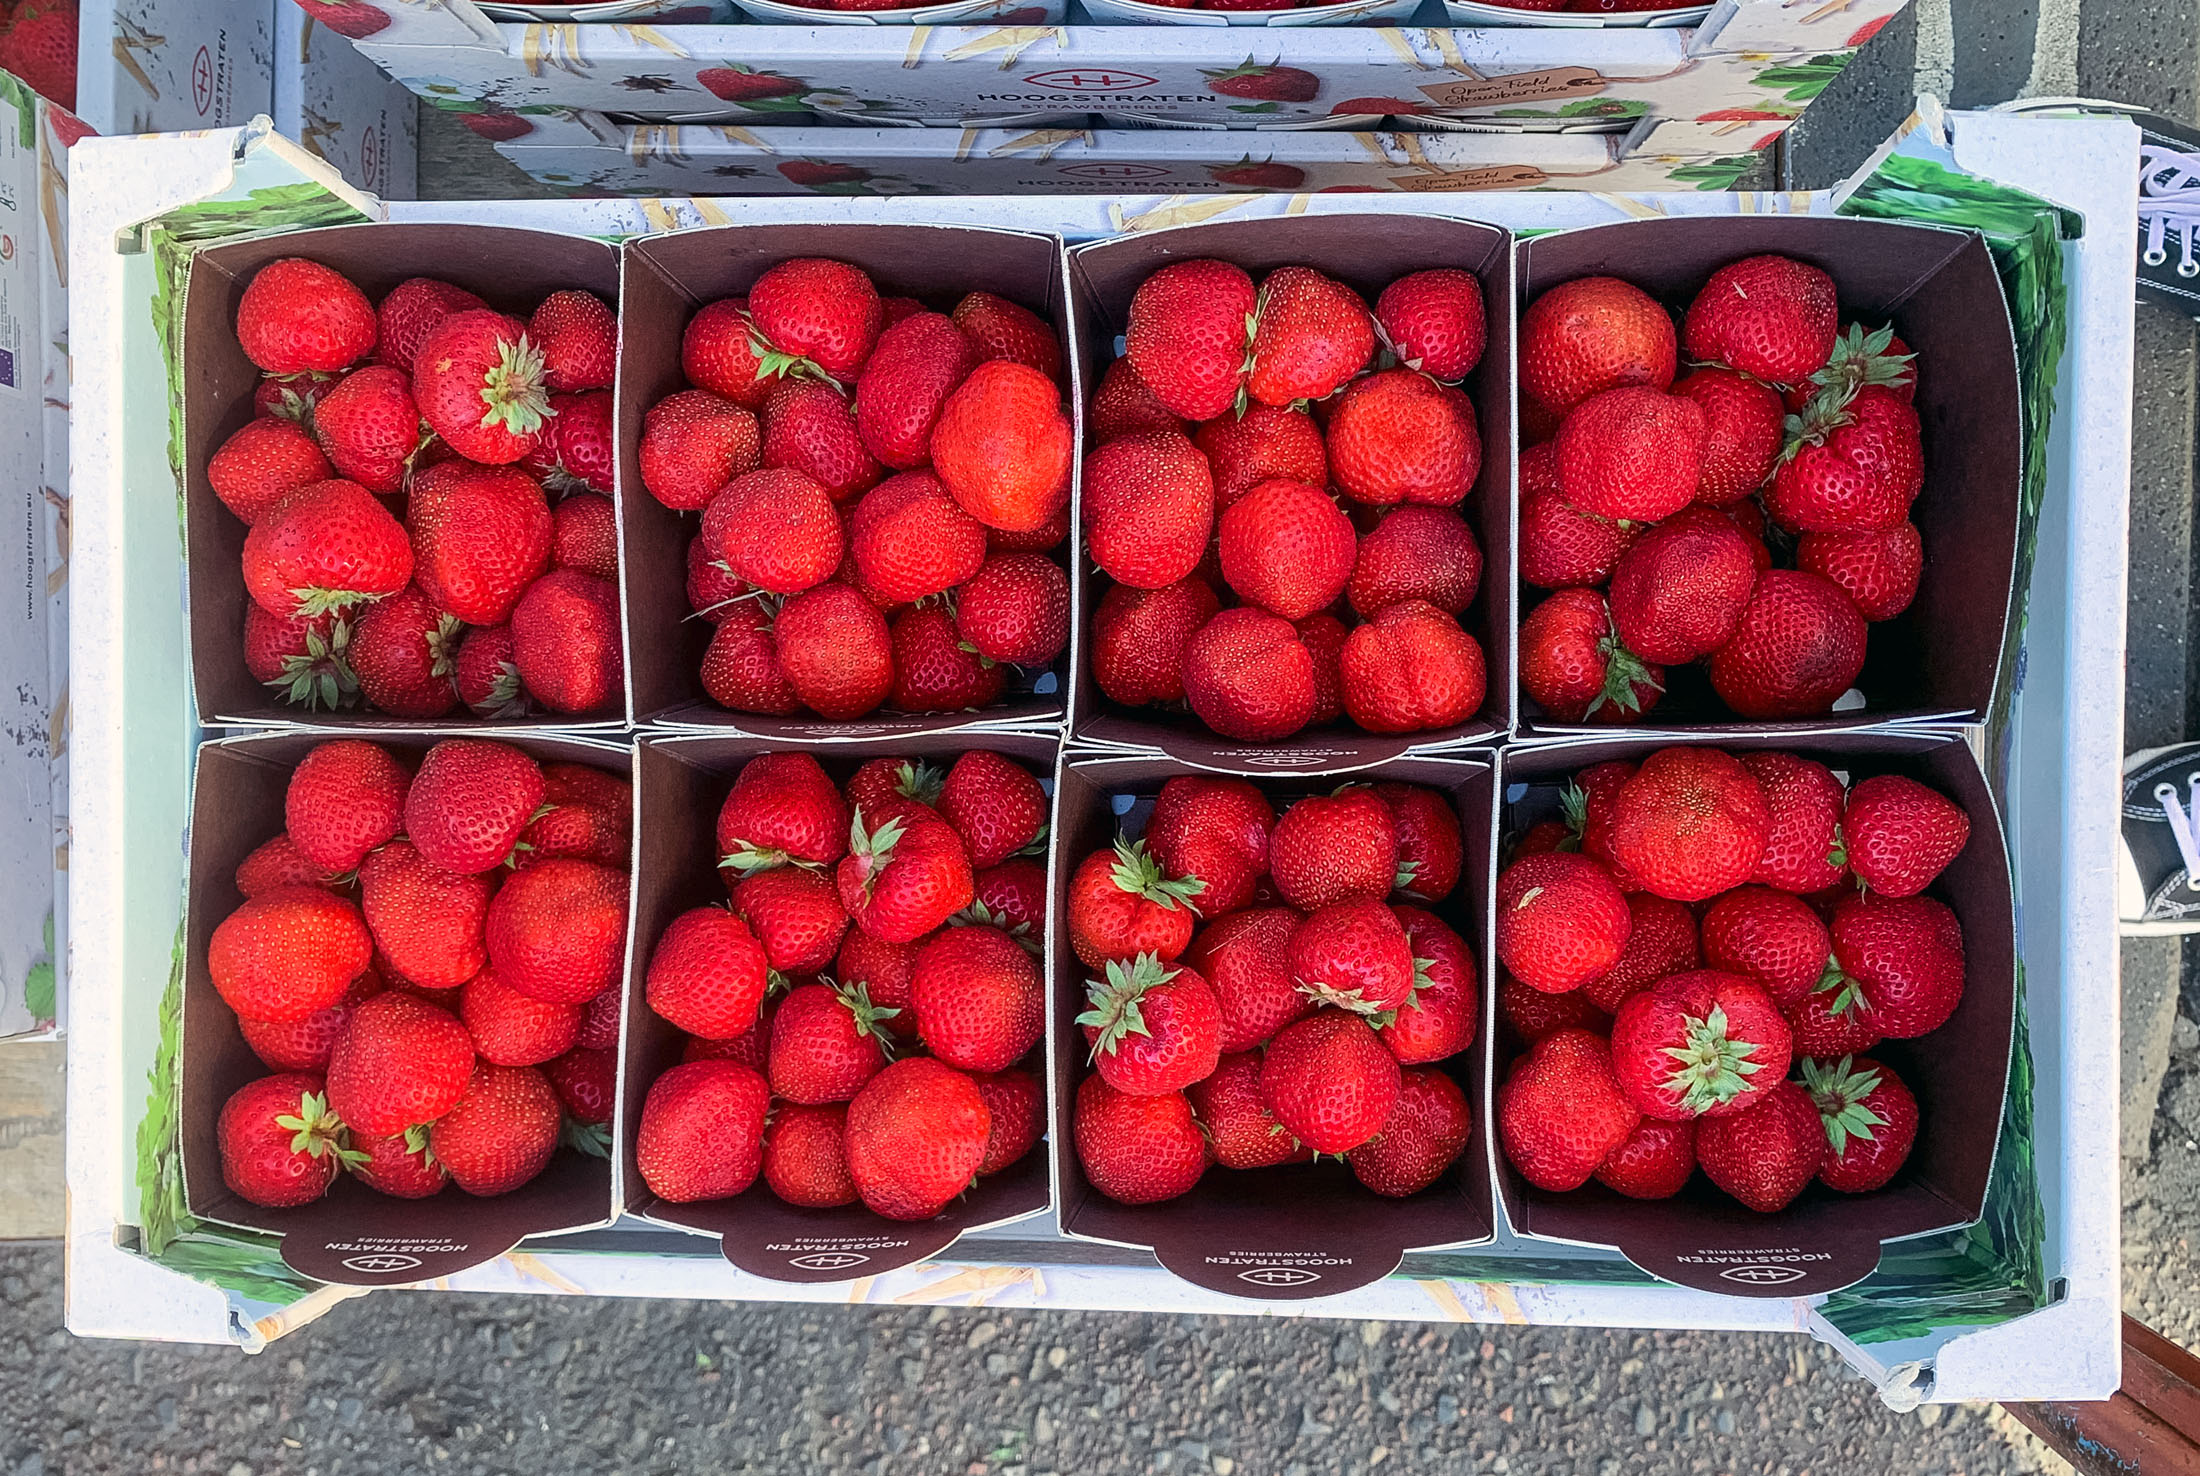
{"type": "Point", "coordinates": [1263, 82]}
{"type": "Point", "coordinates": [280, 1144]}
{"type": "Point", "coordinates": [304, 661]}
{"type": "Point", "coordinates": [1870, 1119]}
{"type": "Point", "coordinates": [486, 676]}
{"type": "Point", "coordinates": [1700, 1043]}
{"type": "Point", "coordinates": [1356, 956]}
{"type": "Point", "coordinates": [404, 652]}
{"type": "Point", "coordinates": [1897, 962]}
{"type": "Point", "coordinates": [1851, 464]}
{"type": "Point", "coordinates": [1863, 358]}
{"type": "Point", "coordinates": [327, 546]}
{"type": "Point", "coordinates": [905, 876]}
{"type": "Point", "coordinates": [401, 1165]}
{"type": "Point", "coordinates": [1151, 1028]}
{"type": "Point", "coordinates": [1438, 1019]}
{"type": "Point", "coordinates": [887, 786]}
{"type": "Point", "coordinates": [816, 317]}
{"type": "Point", "coordinates": [1574, 664]}
{"type": "Point", "coordinates": [782, 810]}
{"type": "Point", "coordinates": [827, 1040]}
{"type": "Point", "coordinates": [481, 384]}
{"type": "Point", "coordinates": [1122, 904]}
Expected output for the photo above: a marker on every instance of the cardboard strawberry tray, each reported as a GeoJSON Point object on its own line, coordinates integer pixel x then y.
{"type": "Point", "coordinates": [1823, 1240]}
{"type": "Point", "coordinates": [512, 269]}
{"type": "Point", "coordinates": [1945, 655]}
{"type": "Point", "coordinates": [666, 279]}
{"type": "Point", "coordinates": [680, 783]}
{"type": "Point", "coordinates": [353, 1235]}
{"type": "Point", "coordinates": [1367, 253]}
{"type": "Point", "coordinates": [1300, 1230]}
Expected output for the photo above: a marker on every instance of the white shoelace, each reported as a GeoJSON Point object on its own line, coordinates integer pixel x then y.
{"type": "Point", "coordinates": [2169, 189]}
{"type": "Point", "coordinates": [2180, 826]}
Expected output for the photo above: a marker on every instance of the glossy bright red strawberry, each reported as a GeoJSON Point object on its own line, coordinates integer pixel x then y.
{"type": "Point", "coordinates": [1574, 665]}
{"type": "Point", "coordinates": [1151, 1027]}
{"type": "Point", "coordinates": [1774, 938]}
{"type": "Point", "coordinates": [1330, 1081]}
{"type": "Point", "coordinates": [1410, 669]}
{"type": "Point", "coordinates": [1679, 590]}
{"type": "Point", "coordinates": [1148, 508]}
{"type": "Point", "coordinates": [579, 338]}
{"type": "Point", "coordinates": [557, 930]}
{"type": "Point", "coordinates": [1744, 431]}
{"type": "Point", "coordinates": [481, 385]}
{"type": "Point", "coordinates": [1189, 333]}
{"type": "Point", "coordinates": [1121, 904]}
{"type": "Point", "coordinates": [1655, 1162]}
{"type": "Point", "coordinates": [427, 922]}
{"type": "Point", "coordinates": [1804, 851]}
{"type": "Point", "coordinates": [776, 530]}
{"type": "Point", "coordinates": [1562, 547]}
{"type": "Point", "coordinates": [805, 1161]}
{"type": "Point", "coordinates": [1870, 1119]}
{"type": "Point", "coordinates": [718, 352]}
{"type": "Point", "coordinates": [707, 974]}
{"type": "Point", "coordinates": [1287, 548]}
{"type": "Point", "coordinates": [288, 953]}
{"type": "Point", "coordinates": [1215, 830]}
{"type": "Point", "coordinates": [1897, 960]}
{"type": "Point", "coordinates": [1690, 824]}
{"type": "Point", "coordinates": [826, 1042]}
{"type": "Point", "coordinates": [1266, 443]}
{"type": "Point", "coordinates": [782, 809]}
{"type": "Point", "coordinates": [977, 998]}
{"type": "Point", "coordinates": [326, 546]}
{"type": "Point", "coordinates": [577, 448]}
{"type": "Point", "coordinates": [904, 874]}
{"type": "Point", "coordinates": [1798, 648]}
{"type": "Point", "coordinates": [266, 460]}
{"type": "Point", "coordinates": [835, 651]}
{"type": "Point", "coordinates": [480, 536]}
{"type": "Point", "coordinates": [345, 798]}
{"type": "Point", "coordinates": [1002, 446]}
{"type": "Point", "coordinates": [995, 805]}
{"type": "Point", "coordinates": [1353, 955]}
{"type": "Point", "coordinates": [824, 312]}
{"type": "Point", "coordinates": [1397, 436]}
{"type": "Point", "coordinates": [1439, 1019]}
{"type": "Point", "coordinates": [1700, 1043]}
{"type": "Point", "coordinates": [1140, 637]}
{"type": "Point", "coordinates": [584, 535]}
{"type": "Point", "coordinates": [1561, 920]}
{"type": "Point", "coordinates": [1416, 553]}
{"type": "Point", "coordinates": [297, 315]}
{"type": "Point", "coordinates": [702, 1131]}
{"type": "Point", "coordinates": [1434, 321]}
{"type": "Point", "coordinates": [1247, 675]}
{"type": "Point", "coordinates": [513, 1029]}
{"type": "Point", "coordinates": [370, 427]}
{"type": "Point", "coordinates": [1423, 1137]}
{"type": "Point", "coordinates": [1901, 834]}
{"type": "Point", "coordinates": [694, 443]}
{"type": "Point", "coordinates": [1311, 334]}
{"type": "Point", "coordinates": [400, 1063]}
{"type": "Point", "coordinates": [1017, 1104]}
{"type": "Point", "coordinates": [279, 1143]}
{"type": "Point", "coordinates": [403, 655]}
{"type": "Point", "coordinates": [399, 1165]}
{"type": "Point", "coordinates": [1431, 848]}
{"type": "Point", "coordinates": [1634, 453]}
{"type": "Point", "coordinates": [917, 1134]}
{"type": "Point", "coordinates": [910, 539]}
{"type": "Point", "coordinates": [1124, 405]}
{"type": "Point", "coordinates": [1853, 467]}
{"type": "Point", "coordinates": [795, 913]}
{"type": "Point", "coordinates": [904, 384]}
{"type": "Point", "coordinates": [1335, 848]}
{"type": "Point", "coordinates": [1771, 317]}
{"type": "Point", "coordinates": [469, 803]}
{"type": "Point", "coordinates": [410, 312]}
{"type": "Point", "coordinates": [1767, 1155]}
{"type": "Point", "coordinates": [1241, 1131]}
{"type": "Point", "coordinates": [1561, 1112]}
{"type": "Point", "coordinates": [1000, 329]}
{"type": "Point", "coordinates": [1245, 958]}
{"type": "Point", "coordinates": [1137, 1150]}
{"type": "Point", "coordinates": [1015, 610]}
{"type": "Point", "coordinates": [279, 863]}
{"type": "Point", "coordinates": [1593, 334]}
{"type": "Point", "coordinates": [934, 671]}
{"type": "Point", "coordinates": [1661, 940]}
{"type": "Point", "coordinates": [740, 668]}
{"type": "Point", "coordinates": [1878, 570]}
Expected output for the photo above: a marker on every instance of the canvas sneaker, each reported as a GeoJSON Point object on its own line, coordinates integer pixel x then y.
{"type": "Point", "coordinates": [2158, 878]}
{"type": "Point", "coordinates": [2169, 212]}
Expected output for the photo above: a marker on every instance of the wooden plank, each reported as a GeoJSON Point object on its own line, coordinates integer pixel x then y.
{"type": "Point", "coordinates": [30, 1140]}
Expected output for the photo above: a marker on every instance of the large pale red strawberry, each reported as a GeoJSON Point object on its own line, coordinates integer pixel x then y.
{"type": "Point", "coordinates": [1799, 646]}
{"type": "Point", "coordinates": [403, 654]}
{"type": "Point", "coordinates": [1244, 956]}
{"type": "Point", "coordinates": [1410, 669]}
{"type": "Point", "coordinates": [1015, 610]}
{"type": "Point", "coordinates": [1248, 675]}
{"type": "Point", "coordinates": [345, 798]}
{"type": "Point", "coordinates": [427, 922]}
{"type": "Point", "coordinates": [279, 1143]}
{"type": "Point", "coordinates": [1000, 329]}
{"type": "Point", "coordinates": [1188, 335]}
{"type": "Point", "coordinates": [1771, 317]}
{"type": "Point", "coordinates": [513, 1029]}
{"type": "Point", "coordinates": [835, 651]}
{"type": "Point", "coordinates": [400, 1063]}
{"type": "Point", "coordinates": [557, 930]}
{"type": "Point", "coordinates": [1561, 920]}
{"type": "Point", "coordinates": [288, 953]}
{"type": "Point", "coordinates": [1241, 1131]}
{"type": "Point", "coordinates": [775, 529]}
{"type": "Point", "coordinates": [1002, 445]}
{"type": "Point", "coordinates": [811, 309]}
{"type": "Point", "coordinates": [1804, 852]}
{"type": "Point", "coordinates": [1744, 430]}
{"type": "Point", "coordinates": [469, 803]}
{"type": "Point", "coordinates": [1878, 570]}
{"type": "Point", "coordinates": [1771, 937]}
{"type": "Point", "coordinates": [826, 1042]}
{"type": "Point", "coordinates": [1215, 830]}
{"type": "Point", "coordinates": [370, 427]}
{"type": "Point", "coordinates": [707, 974]}
{"type": "Point", "coordinates": [1311, 333]}
{"type": "Point", "coordinates": [1140, 637]}
{"type": "Point", "coordinates": [805, 1160]}
{"type": "Point", "coordinates": [1124, 405]}
{"type": "Point", "coordinates": [1397, 436]}
{"type": "Point", "coordinates": [268, 458]}
{"type": "Point", "coordinates": [1767, 1155]}
{"type": "Point", "coordinates": [809, 427]}
{"type": "Point", "coordinates": [326, 546]}
{"type": "Point", "coordinates": [1285, 547]}
{"type": "Point", "coordinates": [566, 642]}
{"type": "Point", "coordinates": [904, 384]}
{"type": "Point", "coordinates": [1416, 553]}
{"type": "Point", "coordinates": [1433, 321]}
{"type": "Point", "coordinates": [1898, 960]}
{"type": "Point", "coordinates": [1439, 1019]}
{"type": "Point", "coordinates": [904, 874]}
{"type": "Point", "coordinates": [1266, 443]}
{"type": "Point", "coordinates": [1561, 1112]}
{"type": "Point", "coordinates": [1655, 1162]}
{"type": "Point", "coordinates": [1355, 956]}
{"type": "Point", "coordinates": [579, 338]}
{"type": "Point", "coordinates": [1330, 1081]}
{"type": "Point", "coordinates": [1532, 1014]}
{"type": "Point", "coordinates": [1633, 453]}
{"type": "Point", "coordinates": [1690, 824]}
{"type": "Point", "coordinates": [1137, 1150]}
{"type": "Point", "coordinates": [480, 384]}
{"type": "Point", "coordinates": [1661, 940]}
{"type": "Point", "coordinates": [410, 312]}
{"type": "Point", "coordinates": [1423, 1136]}
{"type": "Point", "coordinates": [1562, 547]}
{"type": "Point", "coordinates": [1573, 663]}
{"type": "Point", "coordinates": [934, 668]}
{"type": "Point", "coordinates": [795, 913]}
{"type": "Point", "coordinates": [1901, 834]}
{"type": "Point", "coordinates": [1698, 1044]}
{"type": "Point", "coordinates": [740, 668]}
{"type": "Point", "coordinates": [701, 1134]}
{"type": "Point", "coordinates": [1151, 1027]}
{"type": "Point", "coordinates": [916, 1136]}
{"type": "Point", "coordinates": [1853, 467]}
{"type": "Point", "coordinates": [480, 536]}
{"type": "Point", "coordinates": [1870, 1119]}
{"type": "Point", "coordinates": [1341, 847]}
{"type": "Point", "coordinates": [910, 539]}
{"type": "Point", "coordinates": [1149, 509]}
{"type": "Point", "coordinates": [1590, 335]}
{"type": "Point", "coordinates": [994, 804]}
{"type": "Point", "coordinates": [298, 315]}
{"type": "Point", "coordinates": [1678, 591]}
{"type": "Point", "coordinates": [1122, 903]}
{"type": "Point", "coordinates": [694, 443]}
{"type": "Point", "coordinates": [718, 352]}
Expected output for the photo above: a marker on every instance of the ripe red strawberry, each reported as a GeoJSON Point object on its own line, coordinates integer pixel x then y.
{"type": "Point", "coordinates": [292, 396]}
{"type": "Point", "coordinates": [266, 460]}
{"type": "Point", "coordinates": [1152, 1028]}
{"type": "Point", "coordinates": [1561, 546]}
{"type": "Point", "coordinates": [1137, 1150]}
{"type": "Point", "coordinates": [795, 913]}
{"type": "Point", "coordinates": [1354, 955]}
{"type": "Point", "coordinates": [1589, 804]}
{"type": "Point", "coordinates": [1124, 405]}
{"type": "Point", "coordinates": [287, 953]}
{"type": "Point", "coordinates": [1410, 669]}
{"type": "Point", "coordinates": [1561, 921]}
{"type": "Point", "coordinates": [345, 798]}
{"type": "Point", "coordinates": [1878, 570]}
{"type": "Point", "coordinates": [694, 443]}
{"type": "Point", "coordinates": [279, 863]}
{"type": "Point", "coordinates": [1679, 590]}
{"type": "Point", "coordinates": [369, 427]}
{"type": "Point", "coordinates": [427, 922]}
{"type": "Point", "coordinates": [1324, 636]}
{"type": "Point", "coordinates": [994, 804]}
{"type": "Point", "coordinates": [1430, 846]}
{"type": "Point", "coordinates": [410, 312]}
{"type": "Point", "coordinates": [400, 1063]}
{"type": "Point", "coordinates": [711, 586]}
{"type": "Point", "coordinates": [1655, 1162]}
{"type": "Point", "coordinates": [1311, 334]}
{"type": "Point", "coordinates": [835, 651]}
{"type": "Point", "coordinates": [305, 1045]}
{"type": "Point", "coordinates": [718, 352]}
{"type": "Point", "coordinates": [1248, 675]}
{"type": "Point", "coordinates": [1215, 830]}
{"type": "Point", "coordinates": [1140, 637]}
{"type": "Point", "coordinates": [1546, 836]}
{"type": "Point", "coordinates": [977, 997]}
{"type": "Point", "coordinates": [1771, 317]}
{"type": "Point", "coordinates": [1900, 834]}
{"type": "Point", "coordinates": [297, 315]}
{"type": "Point", "coordinates": [782, 809]}
{"type": "Point", "coordinates": [469, 803]}
{"type": "Point", "coordinates": [702, 1131]}
{"type": "Point", "coordinates": [1000, 329]}
{"type": "Point", "coordinates": [1804, 852]}
{"type": "Point", "coordinates": [578, 447]}
{"type": "Point", "coordinates": [1590, 335]}
{"type": "Point", "coordinates": [557, 930]}
{"type": "Point", "coordinates": [480, 384]}
{"type": "Point", "coordinates": [1560, 1111]}
{"type": "Point", "coordinates": [904, 874]}
{"type": "Point", "coordinates": [1898, 961]}
{"type": "Point", "coordinates": [1433, 321]}
{"type": "Point", "coordinates": [1245, 959]}
{"type": "Point", "coordinates": [910, 539]}
{"type": "Point", "coordinates": [916, 1136]}
{"type": "Point", "coordinates": [776, 530]}
{"type": "Point", "coordinates": [1002, 446]}
{"type": "Point", "coordinates": [326, 546]}
{"type": "Point", "coordinates": [1799, 646]}
{"type": "Point", "coordinates": [1018, 1107]}
{"type": "Point", "coordinates": [1870, 1119]}
{"type": "Point", "coordinates": [895, 786]}
{"type": "Point", "coordinates": [1633, 453]}
{"type": "Point", "coordinates": [1767, 1155]}
{"type": "Point", "coordinates": [1396, 436]}
{"type": "Point", "coordinates": [809, 427]}
{"type": "Point", "coordinates": [1416, 553]}
{"type": "Point", "coordinates": [1423, 1136]}
{"type": "Point", "coordinates": [740, 668]}
{"type": "Point", "coordinates": [399, 1165]}
{"type": "Point", "coordinates": [601, 1018]}
{"type": "Point", "coordinates": [1189, 334]}
{"type": "Point", "coordinates": [1699, 1044]}
{"type": "Point", "coordinates": [1149, 509]}
{"type": "Point", "coordinates": [1821, 1031]}
{"type": "Point", "coordinates": [1015, 610]}
{"type": "Point", "coordinates": [886, 970]}
{"type": "Point", "coordinates": [584, 536]}
{"type": "Point", "coordinates": [403, 654]}
{"type": "Point", "coordinates": [1532, 1014]}
{"type": "Point", "coordinates": [565, 641]}
{"type": "Point", "coordinates": [1744, 430]}
{"type": "Point", "coordinates": [513, 1029]}
{"type": "Point", "coordinates": [1266, 443]}
{"type": "Point", "coordinates": [1013, 897]}
{"type": "Point", "coordinates": [1574, 665]}
{"type": "Point", "coordinates": [579, 339]}
{"type": "Point", "coordinates": [480, 536]}
{"type": "Point", "coordinates": [1439, 1019]}
{"type": "Point", "coordinates": [1287, 548]}
{"type": "Point", "coordinates": [1122, 904]}
{"type": "Point", "coordinates": [826, 1042]}
{"type": "Point", "coordinates": [1771, 937]}
{"type": "Point", "coordinates": [1690, 824]}
{"type": "Point", "coordinates": [591, 832]}
{"type": "Point", "coordinates": [1241, 1131]}
{"type": "Point", "coordinates": [707, 974]}
{"type": "Point", "coordinates": [805, 1162]}
{"type": "Point", "coordinates": [279, 1143]}
{"type": "Point", "coordinates": [1329, 1080]}
{"type": "Point", "coordinates": [905, 382]}
{"type": "Point", "coordinates": [1854, 467]}
{"type": "Point", "coordinates": [823, 312]}
{"type": "Point", "coordinates": [1341, 847]}
{"type": "Point", "coordinates": [1661, 940]}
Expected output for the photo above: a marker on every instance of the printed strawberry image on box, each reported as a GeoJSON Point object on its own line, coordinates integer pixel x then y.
{"type": "Point", "coordinates": [1297, 497]}
{"type": "Point", "coordinates": [1247, 978]}
{"type": "Point", "coordinates": [401, 994]}
{"type": "Point", "coordinates": [834, 1057]}
{"type": "Point", "coordinates": [1769, 472]}
{"type": "Point", "coordinates": [874, 428]}
{"type": "Point", "coordinates": [397, 445]}
{"type": "Point", "coordinates": [1755, 1002]}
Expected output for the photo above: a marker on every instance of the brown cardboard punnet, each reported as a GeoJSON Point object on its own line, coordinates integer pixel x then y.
{"type": "Point", "coordinates": [681, 780]}
{"type": "Point", "coordinates": [668, 277]}
{"type": "Point", "coordinates": [354, 1235]}
{"type": "Point", "coordinates": [1301, 1230]}
{"type": "Point", "coordinates": [1367, 252]}
{"type": "Point", "coordinates": [1824, 1240]}
{"type": "Point", "coordinates": [1941, 657]}
{"type": "Point", "coordinates": [510, 268]}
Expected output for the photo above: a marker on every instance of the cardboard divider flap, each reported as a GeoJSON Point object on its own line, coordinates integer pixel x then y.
{"type": "Point", "coordinates": [354, 1235]}
{"type": "Point", "coordinates": [1823, 1240]}
{"type": "Point", "coordinates": [1367, 253]}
